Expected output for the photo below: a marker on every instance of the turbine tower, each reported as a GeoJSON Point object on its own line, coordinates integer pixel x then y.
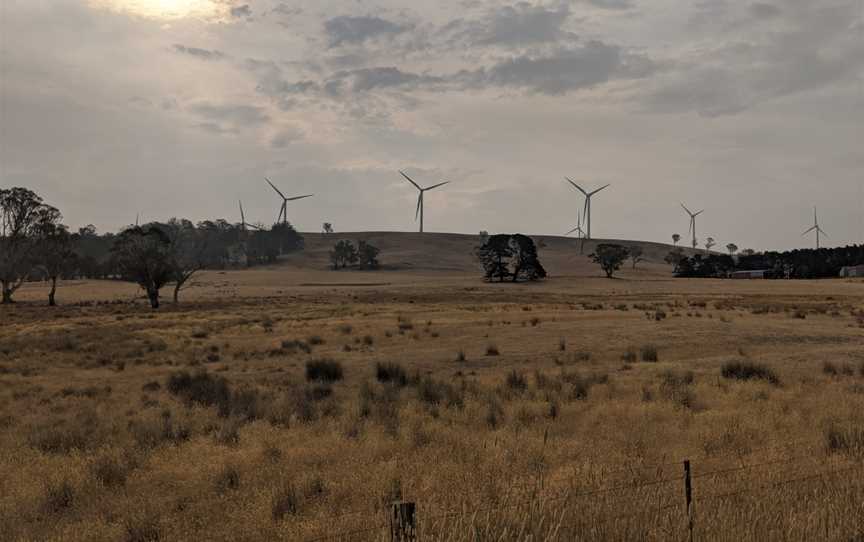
{"type": "Point", "coordinates": [816, 228]}
{"type": "Point", "coordinates": [283, 209]}
{"type": "Point", "coordinates": [587, 209]}
{"type": "Point", "coordinates": [693, 216]}
{"type": "Point", "coordinates": [422, 191]}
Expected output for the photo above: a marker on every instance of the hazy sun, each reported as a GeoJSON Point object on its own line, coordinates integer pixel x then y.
{"type": "Point", "coordinates": [164, 9]}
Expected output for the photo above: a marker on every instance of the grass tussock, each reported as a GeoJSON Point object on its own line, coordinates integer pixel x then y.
{"type": "Point", "coordinates": [749, 370]}
{"type": "Point", "coordinates": [324, 370]}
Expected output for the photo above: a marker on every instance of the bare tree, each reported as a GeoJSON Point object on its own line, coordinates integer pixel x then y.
{"type": "Point", "coordinates": [709, 243]}
{"type": "Point", "coordinates": [327, 228]}
{"type": "Point", "coordinates": [21, 214]}
{"type": "Point", "coordinates": [675, 239]}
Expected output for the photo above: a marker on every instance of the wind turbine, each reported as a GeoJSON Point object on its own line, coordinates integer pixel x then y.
{"type": "Point", "coordinates": [243, 223]}
{"type": "Point", "coordinates": [587, 210]}
{"type": "Point", "coordinates": [815, 228]}
{"type": "Point", "coordinates": [693, 216]}
{"type": "Point", "coordinates": [580, 233]}
{"type": "Point", "coordinates": [419, 211]}
{"type": "Point", "coordinates": [283, 209]}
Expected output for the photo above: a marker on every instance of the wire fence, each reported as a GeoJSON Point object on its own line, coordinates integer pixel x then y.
{"type": "Point", "coordinates": [671, 502]}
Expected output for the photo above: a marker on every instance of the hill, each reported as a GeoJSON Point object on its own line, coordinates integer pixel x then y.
{"type": "Point", "coordinates": [453, 252]}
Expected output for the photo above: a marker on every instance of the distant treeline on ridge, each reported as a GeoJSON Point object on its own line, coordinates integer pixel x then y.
{"type": "Point", "coordinates": [792, 264]}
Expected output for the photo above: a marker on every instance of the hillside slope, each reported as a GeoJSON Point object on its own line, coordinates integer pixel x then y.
{"type": "Point", "coordinates": [453, 252]}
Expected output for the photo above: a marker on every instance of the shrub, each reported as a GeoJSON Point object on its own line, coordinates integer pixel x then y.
{"type": "Point", "coordinates": [58, 497]}
{"type": "Point", "coordinates": [143, 529]}
{"type": "Point", "coordinates": [202, 388]}
{"type": "Point", "coordinates": [346, 329]}
{"type": "Point", "coordinates": [648, 353]}
{"type": "Point", "coordinates": [315, 340]}
{"type": "Point", "coordinates": [285, 502]}
{"type": "Point", "coordinates": [228, 479]}
{"type": "Point", "coordinates": [516, 381]}
{"type": "Point", "coordinates": [151, 386]}
{"type": "Point", "coordinates": [562, 344]}
{"type": "Point", "coordinates": [492, 350]}
{"type": "Point", "coordinates": [368, 340]}
{"type": "Point", "coordinates": [460, 356]}
{"type": "Point", "coordinates": [629, 356]}
{"type": "Point", "coordinates": [435, 392]}
{"type": "Point", "coordinates": [109, 471]}
{"type": "Point", "coordinates": [849, 440]}
{"type": "Point", "coordinates": [748, 370]}
{"type": "Point", "coordinates": [831, 369]}
{"type": "Point", "coordinates": [324, 370]}
{"type": "Point", "coordinates": [293, 346]}
{"type": "Point", "coordinates": [391, 373]}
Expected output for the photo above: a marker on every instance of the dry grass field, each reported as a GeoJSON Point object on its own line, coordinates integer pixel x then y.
{"type": "Point", "coordinates": [297, 403]}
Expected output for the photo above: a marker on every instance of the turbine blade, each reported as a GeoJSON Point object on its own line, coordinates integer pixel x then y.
{"type": "Point", "coordinates": [599, 189]}
{"type": "Point", "coordinates": [436, 185]}
{"type": "Point", "coordinates": [299, 197]}
{"type": "Point", "coordinates": [811, 229]}
{"type": "Point", "coordinates": [579, 188]}
{"type": "Point", "coordinates": [419, 203]}
{"type": "Point", "coordinates": [686, 209]}
{"type": "Point", "coordinates": [410, 180]}
{"type": "Point", "coordinates": [571, 231]}
{"type": "Point", "coordinates": [274, 187]}
{"type": "Point", "coordinates": [822, 231]}
{"type": "Point", "coordinates": [242, 218]}
{"type": "Point", "coordinates": [699, 213]}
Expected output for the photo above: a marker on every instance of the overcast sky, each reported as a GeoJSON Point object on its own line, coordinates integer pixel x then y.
{"type": "Point", "coordinates": [753, 111]}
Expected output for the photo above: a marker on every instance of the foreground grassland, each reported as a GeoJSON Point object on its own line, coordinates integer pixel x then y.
{"type": "Point", "coordinates": [297, 405]}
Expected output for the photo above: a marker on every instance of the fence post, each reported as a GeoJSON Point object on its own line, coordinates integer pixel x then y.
{"type": "Point", "coordinates": [403, 522]}
{"type": "Point", "coordinates": [688, 495]}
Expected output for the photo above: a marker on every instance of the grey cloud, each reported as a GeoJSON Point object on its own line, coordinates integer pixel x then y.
{"type": "Point", "coordinates": [203, 54]}
{"type": "Point", "coordinates": [561, 71]}
{"type": "Point", "coordinates": [816, 48]}
{"type": "Point", "coordinates": [558, 73]}
{"type": "Point", "coordinates": [241, 11]}
{"type": "Point", "coordinates": [521, 24]}
{"type": "Point", "coordinates": [611, 4]}
{"type": "Point", "coordinates": [241, 115]}
{"type": "Point", "coordinates": [366, 79]}
{"type": "Point", "coordinates": [285, 138]}
{"type": "Point", "coordinates": [215, 128]}
{"type": "Point", "coordinates": [346, 29]}
{"type": "Point", "coordinates": [764, 11]}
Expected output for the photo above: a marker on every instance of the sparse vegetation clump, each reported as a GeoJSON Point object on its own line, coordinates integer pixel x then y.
{"type": "Point", "coordinates": [749, 370]}
{"type": "Point", "coordinates": [324, 370]}
{"type": "Point", "coordinates": [391, 373]}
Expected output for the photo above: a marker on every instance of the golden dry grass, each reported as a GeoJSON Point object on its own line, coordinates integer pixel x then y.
{"type": "Point", "coordinates": [554, 438]}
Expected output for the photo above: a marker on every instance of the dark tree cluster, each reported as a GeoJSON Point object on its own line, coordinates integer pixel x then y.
{"type": "Point", "coordinates": [363, 256]}
{"type": "Point", "coordinates": [35, 245]}
{"type": "Point", "coordinates": [507, 257]}
{"type": "Point", "coordinates": [793, 264]}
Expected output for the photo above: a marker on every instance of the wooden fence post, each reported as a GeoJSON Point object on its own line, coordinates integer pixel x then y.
{"type": "Point", "coordinates": [403, 522]}
{"type": "Point", "coordinates": [688, 495]}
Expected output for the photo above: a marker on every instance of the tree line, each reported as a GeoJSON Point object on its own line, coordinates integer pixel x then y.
{"type": "Point", "coordinates": [36, 245]}
{"type": "Point", "coordinates": [792, 264]}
